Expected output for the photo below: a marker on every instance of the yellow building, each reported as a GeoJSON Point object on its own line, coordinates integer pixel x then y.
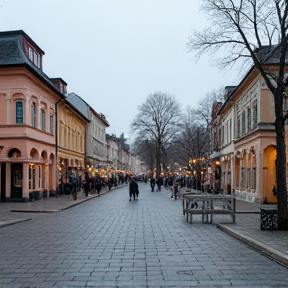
{"type": "Point", "coordinates": [70, 140]}
{"type": "Point", "coordinates": [245, 141]}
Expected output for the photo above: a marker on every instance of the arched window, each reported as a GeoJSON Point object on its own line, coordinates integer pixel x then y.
{"type": "Point", "coordinates": [43, 120]}
{"type": "Point", "coordinates": [51, 121]}
{"type": "Point", "coordinates": [34, 114]}
{"type": "Point", "coordinates": [19, 112]}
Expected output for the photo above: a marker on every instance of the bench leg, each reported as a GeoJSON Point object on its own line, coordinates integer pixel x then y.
{"type": "Point", "coordinates": [191, 219]}
{"type": "Point", "coordinates": [207, 218]}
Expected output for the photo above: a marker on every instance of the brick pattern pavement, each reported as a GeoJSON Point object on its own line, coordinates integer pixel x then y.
{"type": "Point", "coordinates": [111, 242]}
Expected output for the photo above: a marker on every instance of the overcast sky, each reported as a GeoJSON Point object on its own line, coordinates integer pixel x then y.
{"type": "Point", "coordinates": [114, 53]}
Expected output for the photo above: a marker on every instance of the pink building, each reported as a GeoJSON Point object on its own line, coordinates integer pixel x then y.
{"type": "Point", "coordinates": [28, 103]}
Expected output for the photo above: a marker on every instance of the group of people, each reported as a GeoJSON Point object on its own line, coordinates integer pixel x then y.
{"type": "Point", "coordinates": [159, 182]}
{"type": "Point", "coordinates": [171, 182]}
{"type": "Point", "coordinates": [174, 185]}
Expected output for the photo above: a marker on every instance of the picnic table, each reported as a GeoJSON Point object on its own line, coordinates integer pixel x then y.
{"type": "Point", "coordinates": [207, 205]}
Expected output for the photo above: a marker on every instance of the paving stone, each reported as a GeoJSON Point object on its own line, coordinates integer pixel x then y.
{"type": "Point", "coordinates": [144, 243]}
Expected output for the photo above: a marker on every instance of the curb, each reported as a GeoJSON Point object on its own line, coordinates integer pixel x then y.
{"type": "Point", "coordinates": [92, 196]}
{"type": "Point", "coordinates": [267, 251]}
{"type": "Point", "coordinates": [11, 222]}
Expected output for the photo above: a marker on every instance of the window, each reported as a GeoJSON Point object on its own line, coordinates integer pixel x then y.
{"type": "Point", "coordinates": [242, 178]}
{"type": "Point", "coordinates": [30, 51]}
{"type": "Point", "coordinates": [249, 183]}
{"type": "Point", "coordinates": [36, 59]}
{"type": "Point", "coordinates": [255, 111]}
{"type": "Point", "coordinates": [43, 122]}
{"type": "Point", "coordinates": [31, 176]}
{"type": "Point", "coordinates": [230, 130]}
{"type": "Point", "coordinates": [19, 112]}
{"type": "Point", "coordinates": [227, 132]}
{"type": "Point", "coordinates": [219, 137]}
{"type": "Point", "coordinates": [243, 123]}
{"type": "Point", "coordinates": [39, 176]}
{"type": "Point", "coordinates": [248, 119]}
{"type": "Point", "coordinates": [51, 123]}
{"type": "Point", "coordinates": [238, 127]}
{"type": "Point", "coordinates": [253, 182]}
{"type": "Point", "coordinates": [34, 115]}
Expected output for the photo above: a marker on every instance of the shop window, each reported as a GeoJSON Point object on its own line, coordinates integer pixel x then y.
{"type": "Point", "coordinates": [253, 182]}
{"type": "Point", "coordinates": [249, 178]}
{"type": "Point", "coordinates": [31, 176]}
{"type": "Point", "coordinates": [40, 176]}
{"type": "Point", "coordinates": [242, 178]}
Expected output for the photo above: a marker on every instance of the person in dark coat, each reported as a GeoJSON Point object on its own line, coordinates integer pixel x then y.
{"type": "Point", "coordinates": [152, 183]}
{"type": "Point", "coordinates": [133, 189]}
{"type": "Point", "coordinates": [74, 189]}
{"type": "Point", "coordinates": [110, 184]}
{"type": "Point", "coordinates": [159, 183]}
{"type": "Point", "coordinates": [98, 186]}
{"type": "Point", "coordinates": [86, 184]}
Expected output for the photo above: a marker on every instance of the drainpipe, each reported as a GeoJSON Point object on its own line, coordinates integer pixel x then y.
{"type": "Point", "coordinates": [56, 143]}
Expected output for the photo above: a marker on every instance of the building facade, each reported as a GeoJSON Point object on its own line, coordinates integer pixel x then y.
{"type": "Point", "coordinates": [71, 129]}
{"type": "Point", "coordinates": [27, 120]}
{"type": "Point", "coordinates": [246, 141]}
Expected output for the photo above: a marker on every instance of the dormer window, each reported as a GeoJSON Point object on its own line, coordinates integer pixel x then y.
{"type": "Point", "coordinates": [34, 57]}
{"type": "Point", "coordinates": [30, 54]}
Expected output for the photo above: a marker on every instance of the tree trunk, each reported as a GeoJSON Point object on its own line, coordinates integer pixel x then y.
{"type": "Point", "coordinates": [281, 176]}
{"type": "Point", "coordinates": [158, 158]}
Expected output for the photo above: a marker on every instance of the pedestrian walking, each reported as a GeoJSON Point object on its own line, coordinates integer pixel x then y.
{"type": "Point", "coordinates": [175, 190]}
{"type": "Point", "coordinates": [110, 184]}
{"type": "Point", "coordinates": [86, 185]}
{"type": "Point", "coordinates": [159, 183]}
{"type": "Point", "coordinates": [133, 189]}
{"type": "Point", "coordinates": [98, 186]}
{"type": "Point", "coordinates": [73, 189]}
{"type": "Point", "coordinates": [152, 183]}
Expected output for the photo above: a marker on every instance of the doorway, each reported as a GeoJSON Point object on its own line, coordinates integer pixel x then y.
{"type": "Point", "coordinates": [3, 182]}
{"type": "Point", "coordinates": [16, 180]}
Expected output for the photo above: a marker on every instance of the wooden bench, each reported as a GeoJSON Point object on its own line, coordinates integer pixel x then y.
{"type": "Point", "coordinates": [207, 205]}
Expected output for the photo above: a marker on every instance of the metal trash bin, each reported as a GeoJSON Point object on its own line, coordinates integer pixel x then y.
{"type": "Point", "coordinates": [35, 195]}
{"type": "Point", "coordinates": [269, 219]}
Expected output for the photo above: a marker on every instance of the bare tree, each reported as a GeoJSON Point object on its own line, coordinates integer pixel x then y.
{"type": "Point", "coordinates": [204, 107]}
{"type": "Point", "coordinates": [254, 31]}
{"type": "Point", "coordinates": [145, 149]}
{"type": "Point", "coordinates": [157, 120]}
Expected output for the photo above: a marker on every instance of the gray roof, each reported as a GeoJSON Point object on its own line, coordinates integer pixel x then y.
{"type": "Point", "coordinates": [83, 107]}
{"type": "Point", "coordinates": [79, 104]}
{"type": "Point", "coordinates": [268, 55]}
{"type": "Point", "coordinates": [12, 54]}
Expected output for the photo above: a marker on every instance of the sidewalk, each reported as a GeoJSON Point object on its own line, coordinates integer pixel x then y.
{"type": "Point", "coordinates": [273, 244]}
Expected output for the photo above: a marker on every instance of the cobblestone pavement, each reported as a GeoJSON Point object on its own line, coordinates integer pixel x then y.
{"type": "Point", "coordinates": [111, 242]}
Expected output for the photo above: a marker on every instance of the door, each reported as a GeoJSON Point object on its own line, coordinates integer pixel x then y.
{"type": "Point", "coordinates": [3, 182]}
{"type": "Point", "coordinates": [16, 180]}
